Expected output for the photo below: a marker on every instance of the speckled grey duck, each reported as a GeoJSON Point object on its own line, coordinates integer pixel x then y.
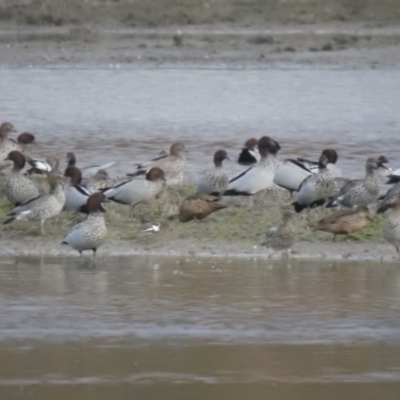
{"type": "Point", "coordinates": [360, 192]}
{"type": "Point", "coordinates": [6, 145]}
{"type": "Point", "coordinates": [316, 188]}
{"type": "Point", "coordinates": [172, 164]}
{"type": "Point", "coordinates": [281, 237]}
{"type": "Point", "coordinates": [90, 233]}
{"type": "Point", "coordinates": [18, 188]}
{"type": "Point", "coordinates": [214, 182]}
{"type": "Point", "coordinates": [345, 222]}
{"type": "Point", "coordinates": [42, 207]}
{"type": "Point", "coordinates": [198, 207]}
{"type": "Point", "coordinates": [391, 228]}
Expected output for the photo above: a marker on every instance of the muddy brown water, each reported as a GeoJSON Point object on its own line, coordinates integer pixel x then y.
{"type": "Point", "coordinates": [130, 115]}
{"type": "Point", "coordinates": [177, 328]}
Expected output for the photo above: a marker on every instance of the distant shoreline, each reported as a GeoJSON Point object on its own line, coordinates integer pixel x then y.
{"type": "Point", "coordinates": [330, 45]}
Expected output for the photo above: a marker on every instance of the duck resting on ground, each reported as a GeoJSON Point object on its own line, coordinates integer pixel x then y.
{"type": "Point", "coordinates": [259, 177]}
{"type": "Point", "coordinates": [214, 182]}
{"type": "Point", "coordinates": [345, 222]}
{"type": "Point", "coordinates": [316, 188]}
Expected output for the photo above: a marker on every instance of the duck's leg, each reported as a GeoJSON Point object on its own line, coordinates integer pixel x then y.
{"type": "Point", "coordinates": [42, 227]}
{"type": "Point", "coordinates": [94, 252]}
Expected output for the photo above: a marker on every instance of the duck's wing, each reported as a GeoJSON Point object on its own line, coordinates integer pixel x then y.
{"type": "Point", "coordinates": [92, 170]}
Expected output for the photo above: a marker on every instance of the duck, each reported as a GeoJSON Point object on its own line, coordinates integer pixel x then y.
{"type": "Point", "coordinates": [292, 172]}
{"type": "Point", "coordinates": [316, 188]}
{"type": "Point", "coordinates": [42, 207]}
{"type": "Point", "coordinates": [173, 165]}
{"type": "Point", "coordinates": [90, 233]}
{"type": "Point", "coordinates": [249, 154]}
{"type": "Point", "coordinates": [6, 145]}
{"type": "Point", "coordinates": [18, 188]}
{"type": "Point", "coordinates": [23, 141]}
{"type": "Point", "coordinates": [76, 195]}
{"type": "Point", "coordinates": [391, 227]}
{"type": "Point", "coordinates": [281, 237]}
{"type": "Point", "coordinates": [214, 182]}
{"type": "Point", "coordinates": [91, 170]}
{"type": "Point", "coordinates": [393, 177]}
{"type": "Point", "coordinates": [360, 192]}
{"type": "Point", "coordinates": [390, 197]}
{"type": "Point", "coordinates": [258, 177]}
{"type": "Point", "coordinates": [198, 207]}
{"type": "Point", "coordinates": [332, 157]}
{"type": "Point", "coordinates": [134, 191]}
{"type": "Point", "coordinates": [101, 180]}
{"type": "Point", "coordinates": [345, 222]}
{"type": "Point", "coordinates": [51, 163]}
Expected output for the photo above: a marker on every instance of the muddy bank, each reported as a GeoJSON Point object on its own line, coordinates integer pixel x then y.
{"type": "Point", "coordinates": [376, 250]}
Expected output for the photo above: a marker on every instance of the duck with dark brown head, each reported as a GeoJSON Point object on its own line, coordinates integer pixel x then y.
{"type": "Point", "coordinates": [134, 191]}
{"type": "Point", "coordinates": [260, 176]}
{"type": "Point", "coordinates": [90, 233]}
{"type": "Point", "coordinates": [249, 154]}
{"type": "Point", "coordinates": [18, 188]}
{"type": "Point", "coordinates": [215, 181]}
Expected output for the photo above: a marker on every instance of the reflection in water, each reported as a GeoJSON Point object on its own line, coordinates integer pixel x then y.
{"type": "Point", "coordinates": [143, 327]}
{"type": "Point", "coordinates": [131, 114]}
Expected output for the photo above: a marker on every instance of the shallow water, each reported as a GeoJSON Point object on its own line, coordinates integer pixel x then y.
{"type": "Point", "coordinates": [130, 115]}
{"type": "Point", "coordinates": [171, 328]}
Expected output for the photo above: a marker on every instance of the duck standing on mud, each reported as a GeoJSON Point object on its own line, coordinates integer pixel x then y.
{"type": "Point", "coordinates": [391, 228]}
{"type": "Point", "coordinates": [91, 232]}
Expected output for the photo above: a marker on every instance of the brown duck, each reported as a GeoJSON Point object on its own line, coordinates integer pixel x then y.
{"type": "Point", "coordinates": [345, 222]}
{"type": "Point", "coordinates": [198, 207]}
